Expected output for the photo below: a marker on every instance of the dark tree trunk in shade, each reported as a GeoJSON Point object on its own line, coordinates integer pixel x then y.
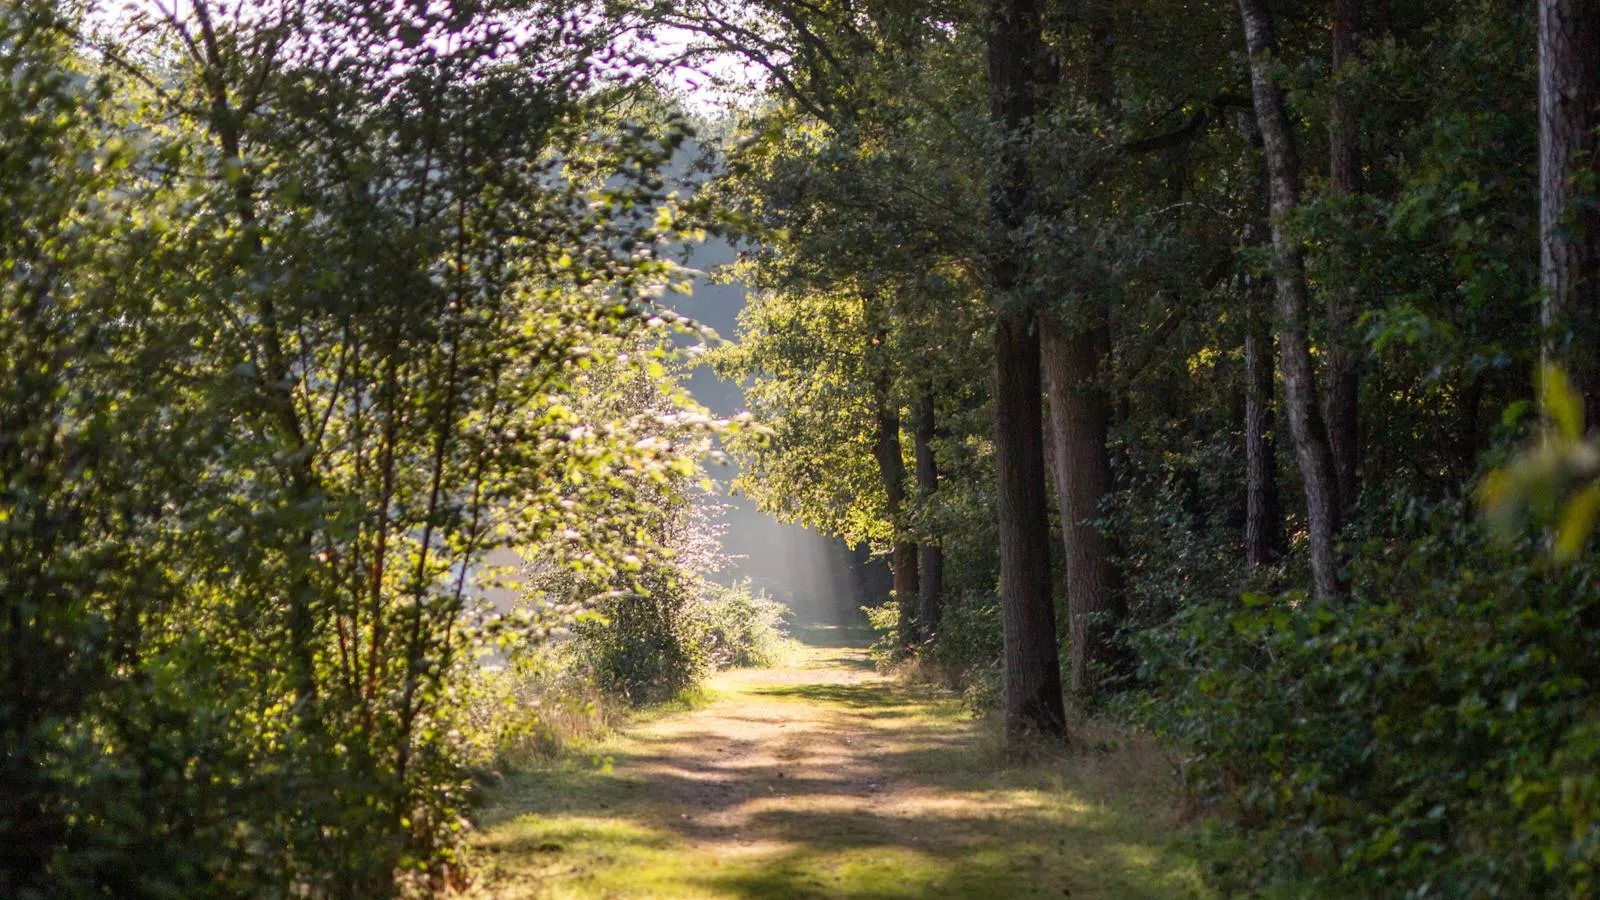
{"type": "Point", "coordinates": [1080, 419]}
{"type": "Point", "coordinates": [892, 469]}
{"type": "Point", "coordinates": [1081, 410]}
{"type": "Point", "coordinates": [930, 556]}
{"type": "Point", "coordinates": [1469, 401]}
{"type": "Point", "coordinates": [906, 592]}
{"type": "Point", "coordinates": [1034, 706]}
{"type": "Point", "coordinates": [1263, 522]}
{"type": "Point", "coordinates": [1569, 221]}
{"type": "Point", "coordinates": [1033, 694]}
{"type": "Point", "coordinates": [1345, 177]}
{"type": "Point", "coordinates": [1294, 347]}
{"type": "Point", "coordinates": [870, 577]}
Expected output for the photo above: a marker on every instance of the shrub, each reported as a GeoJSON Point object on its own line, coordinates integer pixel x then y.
{"type": "Point", "coordinates": [531, 707]}
{"type": "Point", "coordinates": [1433, 734]}
{"type": "Point", "coordinates": [966, 653]}
{"type": "Point", "coordinates": [741, 625]}
{"type": "Point", "coordinates": [646, 646]}
{"type": "Point", "coordinates": [968, 649]}
{"type": "Point", "coordinates": [884, 620]}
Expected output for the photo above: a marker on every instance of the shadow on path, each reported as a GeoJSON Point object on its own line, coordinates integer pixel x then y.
{"type": "Point", "coordinates": [835, 637]}
{"type": "Point", "coordinates": [823, 778]}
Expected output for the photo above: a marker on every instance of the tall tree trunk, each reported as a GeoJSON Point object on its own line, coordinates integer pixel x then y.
{"type": "Point", "coordinates": [1033, 701]}
{"type": "Point", "coordinates": [1033, 696]}
{"type": "Point", "coordinates": [1469, 402]}
{"type": "Point", "coordinates": [930, 555]}
{"type": "Point", "coordinates": [1080, 419]}
{"type": "Point", "coordinates": [892, 469]}
{"type": "Point", "coordinates": [1263, 522]}
{"type": "Point", "coordinates": [1344, 168]}
{"type": "Point", "coordinates": [1569, 245]}
{"type": "Point", "coordinates": [869, 577]}
{"type": "Point", "coordinates": [1299, 378]}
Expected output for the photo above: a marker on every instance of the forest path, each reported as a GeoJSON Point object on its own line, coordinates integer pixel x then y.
{"type": "Point", "coordinates": [823, 778]}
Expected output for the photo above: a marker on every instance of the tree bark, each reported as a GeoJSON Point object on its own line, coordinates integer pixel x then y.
{"type": "Point", "coordinates": [1033, 696]}
{"type": "Point", "coordinates": [1080, 418]}
{"type": "Point", "coordinates": [1344, 167]}
{"type": "Point", "coordinates": [1469, 402]}
{"type": "Point", "coordinates": [870, 578]}
{"type": "Point", "coordinates": [906, 593]}
{"type": "Point", "coordinates": [1263, 522]}
{"type": "Point", "coordinates": [1569, 156]}
{"type": "Point", "coordinates": [930, 555]}
{"type": "Point", "coordinates": [1079, 425]}
{"type": "Point", "coordinates": [1299, 378]}
{"type": "Point", "coordinates": [1034, 707]}
{"type": "Point", "coordinates": [892, 469]}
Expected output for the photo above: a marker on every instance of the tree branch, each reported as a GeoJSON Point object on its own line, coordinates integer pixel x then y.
{"type": "Point", "coordinates": [1190, 129]}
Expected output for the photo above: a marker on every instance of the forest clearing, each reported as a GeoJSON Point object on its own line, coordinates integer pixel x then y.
{"type": "Point", "coordinates": [820, 777]}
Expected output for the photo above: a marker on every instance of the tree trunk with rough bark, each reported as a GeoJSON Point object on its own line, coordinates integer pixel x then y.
{"type": "Point", "coordinates": [1033, 693]}
{"type": "Point", "coordinates": [1569, 219]}
{"type": "Point", "coordinates": [1079, 424]}
{"type": "Point", "coordinates": [930, 556]}
{"type": "Point", "coordinates": [1344, 169]}
{"type": "Point", "coordinates": [892, 470]}
{"type": "Point", "coordinates": [1263, 518]}
{"type": "Point", "coordinates": [1294, 347]}
{"type": "Point", "coordinates": [1034, 707]}
{"type": "Point", "coordinates": [1080, 418]}
{"type": "Point", "coordinates": [870, 578]}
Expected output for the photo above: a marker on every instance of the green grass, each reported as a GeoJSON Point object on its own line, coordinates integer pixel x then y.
{"type": "Point", "coordinates": [820, 780]}
{"type": "Point", "coordinates": [833, 637]}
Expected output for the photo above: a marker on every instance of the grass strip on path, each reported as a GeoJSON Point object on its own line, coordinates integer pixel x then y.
{"type": "Point", "coordinates": [823, 778]}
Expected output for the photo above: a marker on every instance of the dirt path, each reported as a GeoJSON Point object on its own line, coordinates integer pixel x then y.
{"type": "Point", "coordinates": [822, 778]}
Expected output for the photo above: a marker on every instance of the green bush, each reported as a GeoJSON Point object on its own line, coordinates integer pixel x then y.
{"type": "Point", "coordinates": [968, 649]}
{"type": "Point", "coordinates": [651, 646]}
{"type": "Point", "coordinates": [646, 646]}
{"type": "Point", "coordinates": [742, 626]}
{"type": "Point", "coordinates": [531, 707]}
{"type": "Point", "coordinates": [965, 654]}
{"type": "Point", "coordinates": [884, 620]}
{"type": "Point", "coordinates": [1433, 734]}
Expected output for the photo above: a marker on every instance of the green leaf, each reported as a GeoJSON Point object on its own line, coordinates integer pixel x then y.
{"type": "Point", "coordinates": [1562, 405]}
{"type": "Point", "coordinates": [1577, 523]}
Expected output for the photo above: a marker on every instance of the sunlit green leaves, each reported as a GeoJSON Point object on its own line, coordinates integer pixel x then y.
{"type": "Point", "coordinates": [1554, 479]}
{"type": "Point", "coordinates": [318, 299]}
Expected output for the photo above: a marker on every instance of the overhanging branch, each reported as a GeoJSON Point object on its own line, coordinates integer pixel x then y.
{"type": "Point", "coordinates": [1190, 129]}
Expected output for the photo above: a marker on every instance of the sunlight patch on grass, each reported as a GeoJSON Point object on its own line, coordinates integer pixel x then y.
{"type": "Point", "coordinates": [826, 780]}
{"type": "Point", "coordinates": [583, 857]}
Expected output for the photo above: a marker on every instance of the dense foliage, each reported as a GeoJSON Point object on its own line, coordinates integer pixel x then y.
{"type": "Point", "coordinates": [295, 295]}
{"type": "Point", "coordinates": [1288, 271]}
{"type": "Point", "coordinates": [1223, 366]}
